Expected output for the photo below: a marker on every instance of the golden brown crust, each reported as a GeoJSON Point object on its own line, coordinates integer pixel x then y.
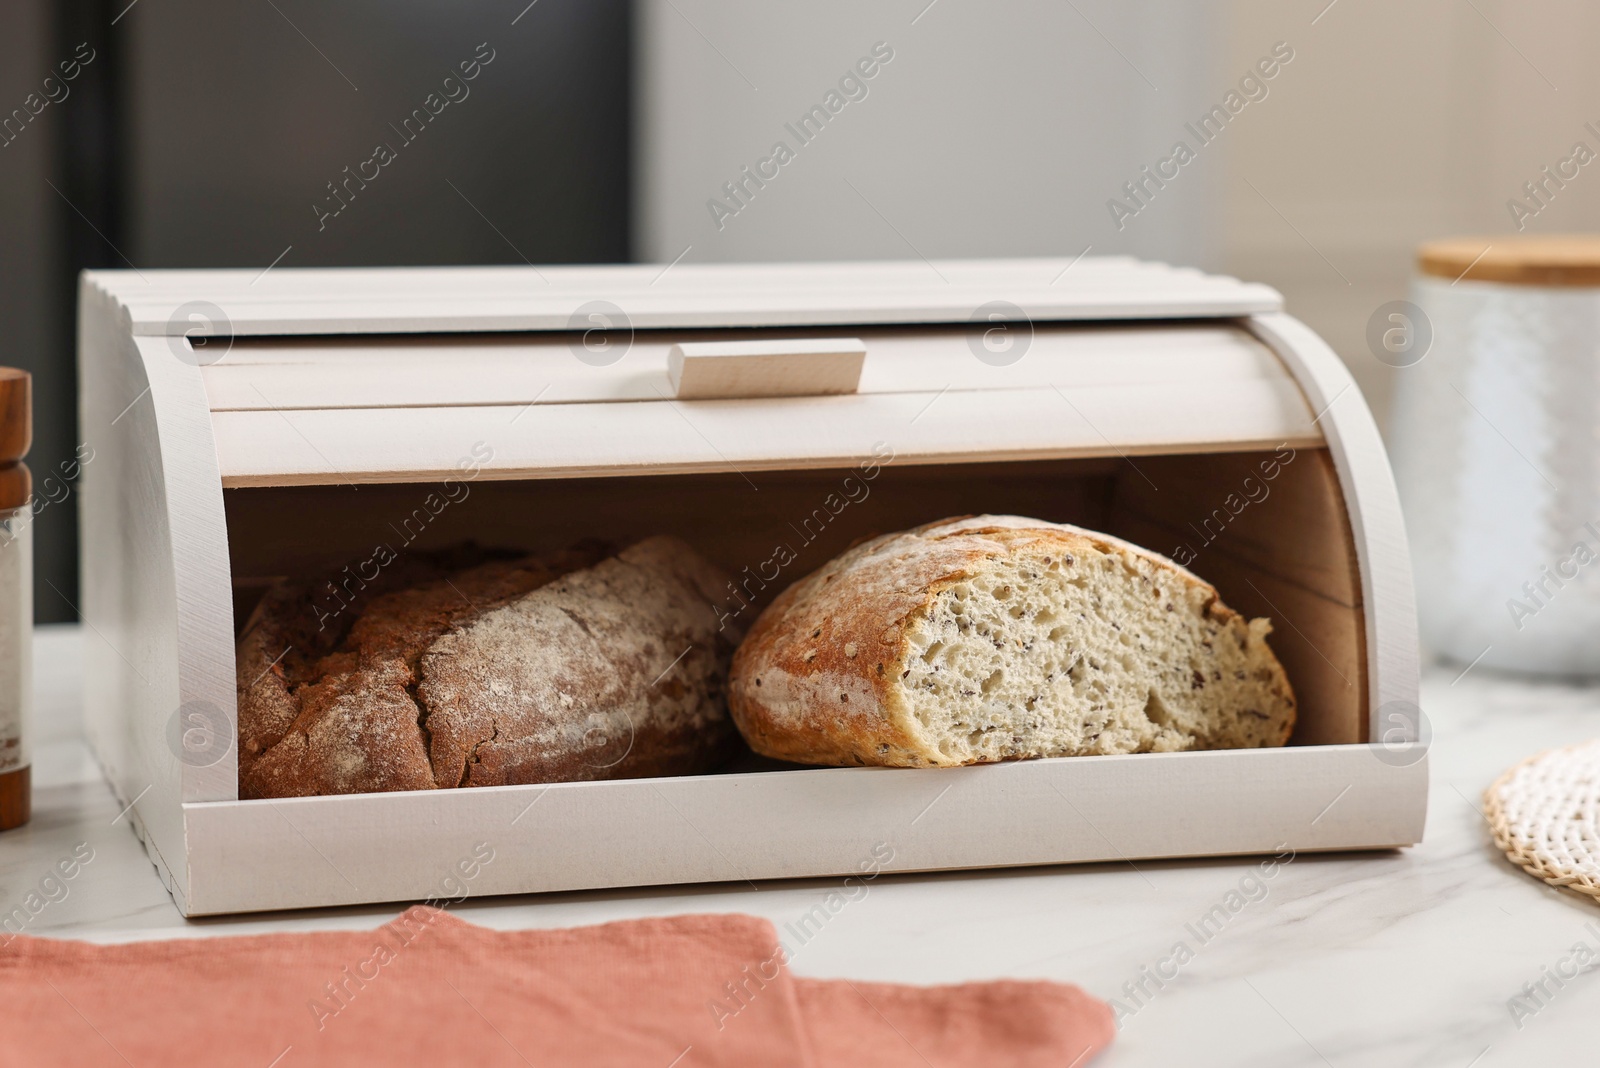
{"type": "Point", "coordinates": [816, 679]}
{"type": "Point", "coordinates": [840, 630]}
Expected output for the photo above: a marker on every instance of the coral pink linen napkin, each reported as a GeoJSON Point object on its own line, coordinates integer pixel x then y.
{"type": "Point", "coordinates": [430, 989]}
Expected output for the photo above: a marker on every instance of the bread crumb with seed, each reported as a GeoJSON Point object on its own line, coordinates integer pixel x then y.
{"type": "Point", "coordinates": [993, 638]}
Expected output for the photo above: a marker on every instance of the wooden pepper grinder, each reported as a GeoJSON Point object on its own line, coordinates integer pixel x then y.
{"type": "Point", "coordinates": [16, 597]}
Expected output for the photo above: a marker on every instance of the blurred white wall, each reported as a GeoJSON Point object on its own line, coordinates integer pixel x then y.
{"type": "Point", "coordinates": [998, 128]}
{"type": "Point", "coordinates": [1004, 128]}
{"type": "Point", "coordinates": [1403, 121]}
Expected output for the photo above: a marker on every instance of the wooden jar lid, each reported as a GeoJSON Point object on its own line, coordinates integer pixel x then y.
{"type": "Point", "coordinates": [16, 485]}
{"type": "Point", "coordinates": [16, 413]}
{"type": "Point", "coordinates": [1520, 259]}
{"type": "Point", "coordinates": [16, 435]}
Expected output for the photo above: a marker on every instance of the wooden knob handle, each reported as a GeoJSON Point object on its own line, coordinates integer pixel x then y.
{"type": "Point", "coordinates": [706, 370]}
{"type": "Point", "coordinates": [16, 414]}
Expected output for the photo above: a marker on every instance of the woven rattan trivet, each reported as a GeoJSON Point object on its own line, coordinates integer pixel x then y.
{"type": "Point", "coordinates": [1545, 814]}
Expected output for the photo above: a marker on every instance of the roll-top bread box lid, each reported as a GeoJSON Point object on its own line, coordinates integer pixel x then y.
{"type": "Point", "coordinates": [249, 425]}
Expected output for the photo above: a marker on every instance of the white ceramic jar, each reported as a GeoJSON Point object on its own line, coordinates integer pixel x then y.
{"type": "Point", "coordinates": [1495, 437]}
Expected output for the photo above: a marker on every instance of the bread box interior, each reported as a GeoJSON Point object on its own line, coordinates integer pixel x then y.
{"type": "Point", "coordinates": [1286, 555]}
{"type": "Point", "coordinates": [1211, 429]}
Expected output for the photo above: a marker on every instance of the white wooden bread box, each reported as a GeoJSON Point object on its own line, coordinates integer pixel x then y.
{"type": "Point", "coordinates": [245, 425]}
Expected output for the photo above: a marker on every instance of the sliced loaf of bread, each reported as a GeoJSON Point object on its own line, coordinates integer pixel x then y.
{"type": "Point", "coordinates": [995, 638]}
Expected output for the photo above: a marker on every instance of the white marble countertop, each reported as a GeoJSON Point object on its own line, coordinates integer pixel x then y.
{"type": "Point", "coordinates": [1374, 959]}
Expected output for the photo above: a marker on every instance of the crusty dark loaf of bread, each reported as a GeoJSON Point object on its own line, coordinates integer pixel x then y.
{"type": "Point", "coordinates": [470, 668]}
{"type": "Point", "coordinates": [1000, 638]}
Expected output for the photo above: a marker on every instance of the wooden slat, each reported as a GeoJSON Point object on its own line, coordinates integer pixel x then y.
{"type": "Point", "coordinates": [397, 300]}
{"type": "Point", "coordinates": [331, 446]}
{"type": "Point", "coordinates": [261, 374]}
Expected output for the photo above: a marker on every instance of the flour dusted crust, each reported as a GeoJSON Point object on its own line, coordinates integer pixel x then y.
{"type": "Point", "coordinates": [468, 668]}
{"type": "Point", "coordinates": [618, 664]}
{"type": "Point", "coordinates": [319, 712]}
{"type": "Point", "coordinates": [998, 638]}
